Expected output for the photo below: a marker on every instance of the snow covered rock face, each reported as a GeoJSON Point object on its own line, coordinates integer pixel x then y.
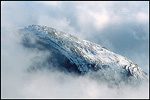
{"type": "Point", "coordinates": [80, 56]}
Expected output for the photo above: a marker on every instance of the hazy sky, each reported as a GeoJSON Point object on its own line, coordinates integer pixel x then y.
{"type": "Point", "coordinates": [122, 27]}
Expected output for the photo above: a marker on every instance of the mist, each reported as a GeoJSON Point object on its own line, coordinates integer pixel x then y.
{"type": "Point", "coordinates": [17, 82]}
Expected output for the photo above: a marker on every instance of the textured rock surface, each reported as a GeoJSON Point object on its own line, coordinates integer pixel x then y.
{"type": "Point", "coordinates": [81, 56]}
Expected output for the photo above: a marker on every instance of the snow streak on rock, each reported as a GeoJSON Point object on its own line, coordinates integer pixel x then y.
{"type": "Point", "coordinates": [84, 56]}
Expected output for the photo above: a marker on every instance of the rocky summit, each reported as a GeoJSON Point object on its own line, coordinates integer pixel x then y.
{"type": "Point", "coordinates": [80, 56]}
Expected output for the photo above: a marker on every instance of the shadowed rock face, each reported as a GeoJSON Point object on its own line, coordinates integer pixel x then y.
{"type": "Point", "coordinates": [60, 61]}
{"type": "Point", "coordinates": [72, 54]}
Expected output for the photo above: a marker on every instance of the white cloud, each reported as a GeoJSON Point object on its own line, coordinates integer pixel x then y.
{"type": "Point", "coordinates": [142, 17]}
{"type": "Point", "coordinates": [57, 23]}
{"type": "Point", "coordinates": [101, 20]}
{"type": "Point", "coordinates": [88, 17]}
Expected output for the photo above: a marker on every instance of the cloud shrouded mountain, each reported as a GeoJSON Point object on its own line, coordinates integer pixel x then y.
{"type": "Point", "coordinates": [72, 54]}
{"type": "Point", "coordinates": [38, 70]}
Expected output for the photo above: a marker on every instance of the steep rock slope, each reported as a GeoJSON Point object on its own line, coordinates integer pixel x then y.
{"type": "Point", "coordinates": [84, 56]}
